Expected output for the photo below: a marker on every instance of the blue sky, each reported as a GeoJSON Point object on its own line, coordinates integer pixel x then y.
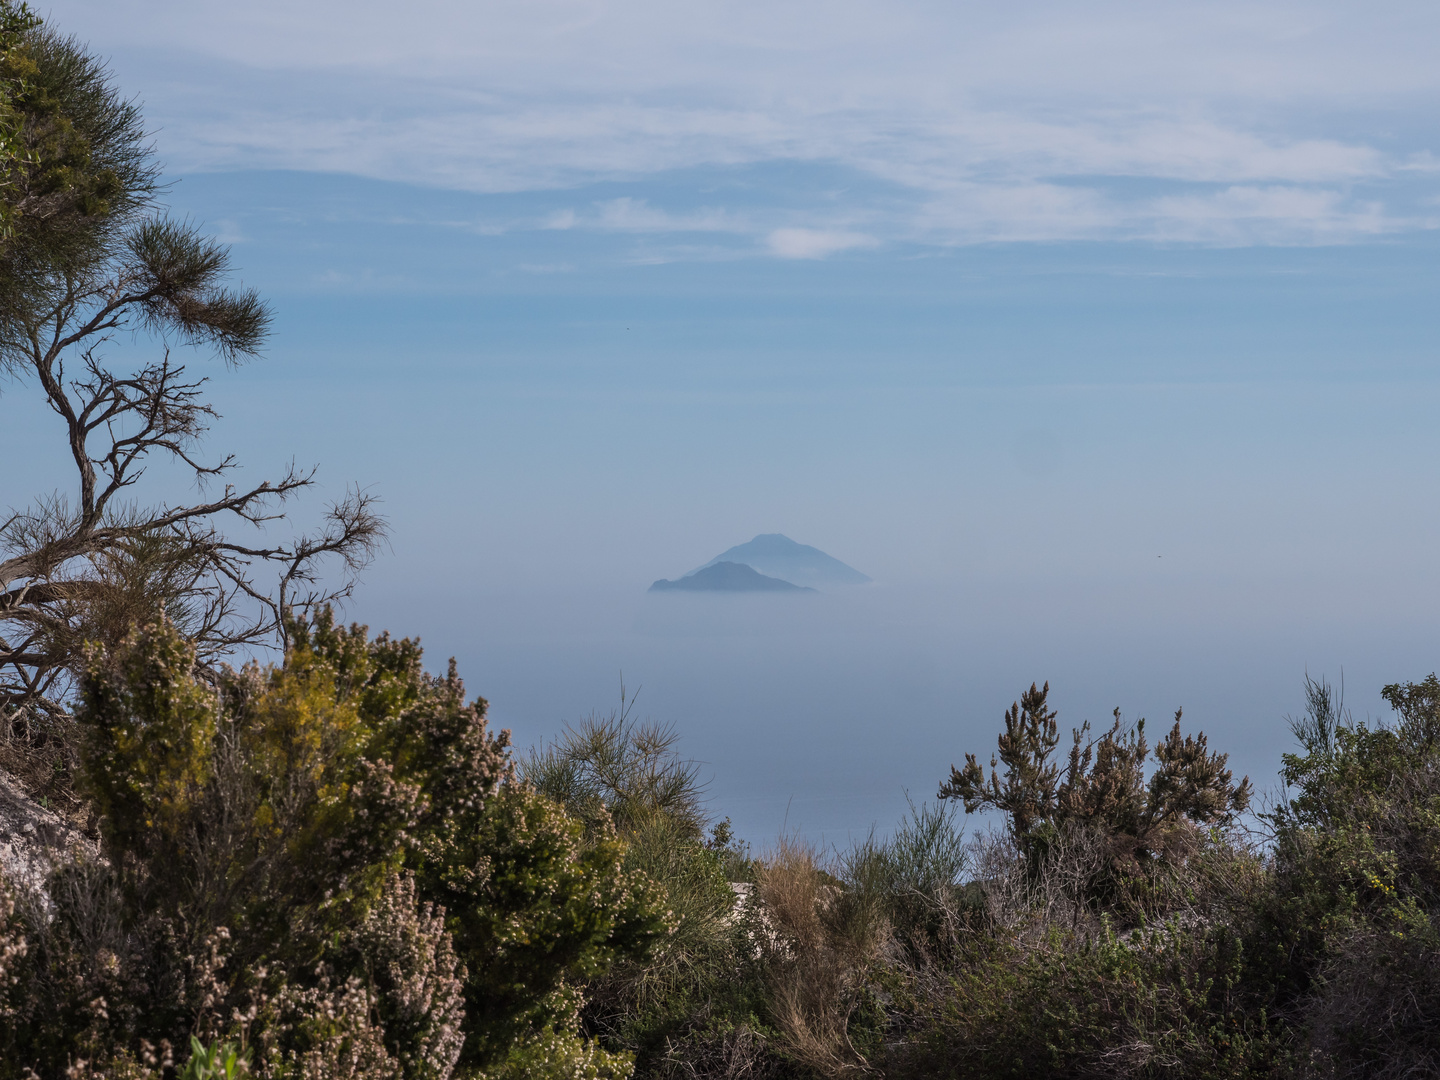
{"type": "Point", "coordinates": [1101, 336]}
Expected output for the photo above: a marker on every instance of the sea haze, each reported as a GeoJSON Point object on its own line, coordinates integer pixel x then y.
{"type": "Point", "coordinates": [818, 713]}
{"type": "Point", "coordinates": [1155, 476]}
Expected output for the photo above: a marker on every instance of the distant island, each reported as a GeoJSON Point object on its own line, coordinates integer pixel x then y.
{"type": "Point", "coordinates": [727, 577]}
{"type": "Point", "coordinates": [769, 563]}
{"type": "Point", "coordinates": [778, 556]}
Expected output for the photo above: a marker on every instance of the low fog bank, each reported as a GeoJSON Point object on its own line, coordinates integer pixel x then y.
{"type": "Point", "coordinates": [817, 714]}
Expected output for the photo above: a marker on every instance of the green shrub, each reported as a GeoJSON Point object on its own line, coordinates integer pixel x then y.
{"type": "Point", "coordinates": [702, 982]}
{"type": "Point", "coordinates": [615, 769]}
{"type": "Point", "coordinates": [912, 883]}
{"type": "Point", "coordinates": [1352, 930]}
{"type": "Point", "coordinates": [551, 911]}
{"type": "Point", "coordinates": [1160, 1002]}
{"type": "Point", "coordinates": [327, 862]}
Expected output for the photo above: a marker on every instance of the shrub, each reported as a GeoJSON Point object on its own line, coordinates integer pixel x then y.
{"type": "Point", "coordinates": [626, 781]}
{"type": "Point", "coordinates": [1352, 928]}
{"type": "Point", "coordinates": [1102, 793]}
{"type": "Point", "coordinates": [550, 912]}
{"type": "Point", "coordinates": [326, 861]}
{"type": "Point", "coordinates": [911, 884]}
{"type": "Point", "coordinates": [615, 769]}
{"type": "Point", "coordinates": [1161, 1002]}
{"type": "Point", "coordinates": [825, 942]}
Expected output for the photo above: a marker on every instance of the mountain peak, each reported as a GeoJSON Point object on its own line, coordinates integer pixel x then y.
{"type": "Point", "coordinates": [776, 555]}
{"type": "Point", "coordinates": [727, 577]}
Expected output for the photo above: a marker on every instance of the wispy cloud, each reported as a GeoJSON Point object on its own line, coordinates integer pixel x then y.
{"type": "Point", "coordinates": [1275, 214]}
{"type": "Point", "coordinates": [986, 123]}
{"type": "Point", "coordinates": [637, 215]}
{"type": "Point", "coordinates": [814, 243]}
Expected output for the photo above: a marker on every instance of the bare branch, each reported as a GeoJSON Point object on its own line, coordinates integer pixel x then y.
{"type": "Point", "coordinates": [84, 266]}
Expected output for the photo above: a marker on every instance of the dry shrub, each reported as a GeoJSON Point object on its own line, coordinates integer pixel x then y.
{"type": "Point", "coordinates": [1075, 883]}
{"type": "Point", "coordinates": [818, 969]}
{"type": "Point", "coordinates": [1026, 898]}
{"type": "Point", "coordinates": [1373, 1010]}
{"type": "Point", "coordinates": [39, 752]}
{"type": "Point", "coordinates": [739, 1053]}
{"type": "Point", "coordinates": [86, 974]}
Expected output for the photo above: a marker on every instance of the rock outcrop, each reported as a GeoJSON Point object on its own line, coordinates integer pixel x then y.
{"type": "Point", "coordinates": [32, 838]}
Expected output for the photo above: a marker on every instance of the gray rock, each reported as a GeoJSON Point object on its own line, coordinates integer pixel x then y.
{"type": "Point", "coordinates": [33, 840]}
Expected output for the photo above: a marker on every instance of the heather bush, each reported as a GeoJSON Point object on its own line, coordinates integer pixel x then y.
{"type": "Point", "coordinates": [330, 868]}
{"type": "Point", "coordinates": [328, 863]}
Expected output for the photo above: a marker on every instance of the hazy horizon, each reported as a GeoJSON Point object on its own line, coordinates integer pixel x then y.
{"type": "Point", "coordinates": [1105, 342]}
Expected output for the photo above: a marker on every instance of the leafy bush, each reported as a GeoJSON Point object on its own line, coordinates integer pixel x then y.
{"type": "Point", "coordinates": [551, 911]}
{"type": "Point", "coordinates": [327, 862]}
{"type": "Point", "coordinates": [1352, 928]}
{"type": "Point", "coordinates": [702, 984]}
{"type": "Point", "coordinates": [616, 769]}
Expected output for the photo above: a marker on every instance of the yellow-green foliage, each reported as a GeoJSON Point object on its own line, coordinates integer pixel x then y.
{"type": "Point", "coordinates": [550, 1051]}
{"type": "Point", "coordinates": [327, 861]}
{"type": "Point", "coordinates": [536, 904]}
{"type": "Point", "coordinates": [149, 759]}
{"type": "Point", "coordinates": [257, 804]}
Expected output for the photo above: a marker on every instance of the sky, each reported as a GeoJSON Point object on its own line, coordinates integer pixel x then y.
{"type": "Point", "coordinates": [1101, 336]}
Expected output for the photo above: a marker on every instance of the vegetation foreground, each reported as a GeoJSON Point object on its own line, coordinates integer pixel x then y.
{"type": "Point", "coordinates": [330, 866]}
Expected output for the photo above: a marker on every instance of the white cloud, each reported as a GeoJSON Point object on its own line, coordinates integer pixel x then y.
{"type": "Point", "coordinates": [991, 122]}
{"type": "Point", "coordinates": [227, 231]}
{"type": "Point", "coordinates": [1277, 214]}
{"type": "Point", "coordinates": [814, 243]}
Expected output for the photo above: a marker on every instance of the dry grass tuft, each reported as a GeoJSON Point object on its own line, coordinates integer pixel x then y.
{"type": "Point", "coordinates": [821, 960]}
